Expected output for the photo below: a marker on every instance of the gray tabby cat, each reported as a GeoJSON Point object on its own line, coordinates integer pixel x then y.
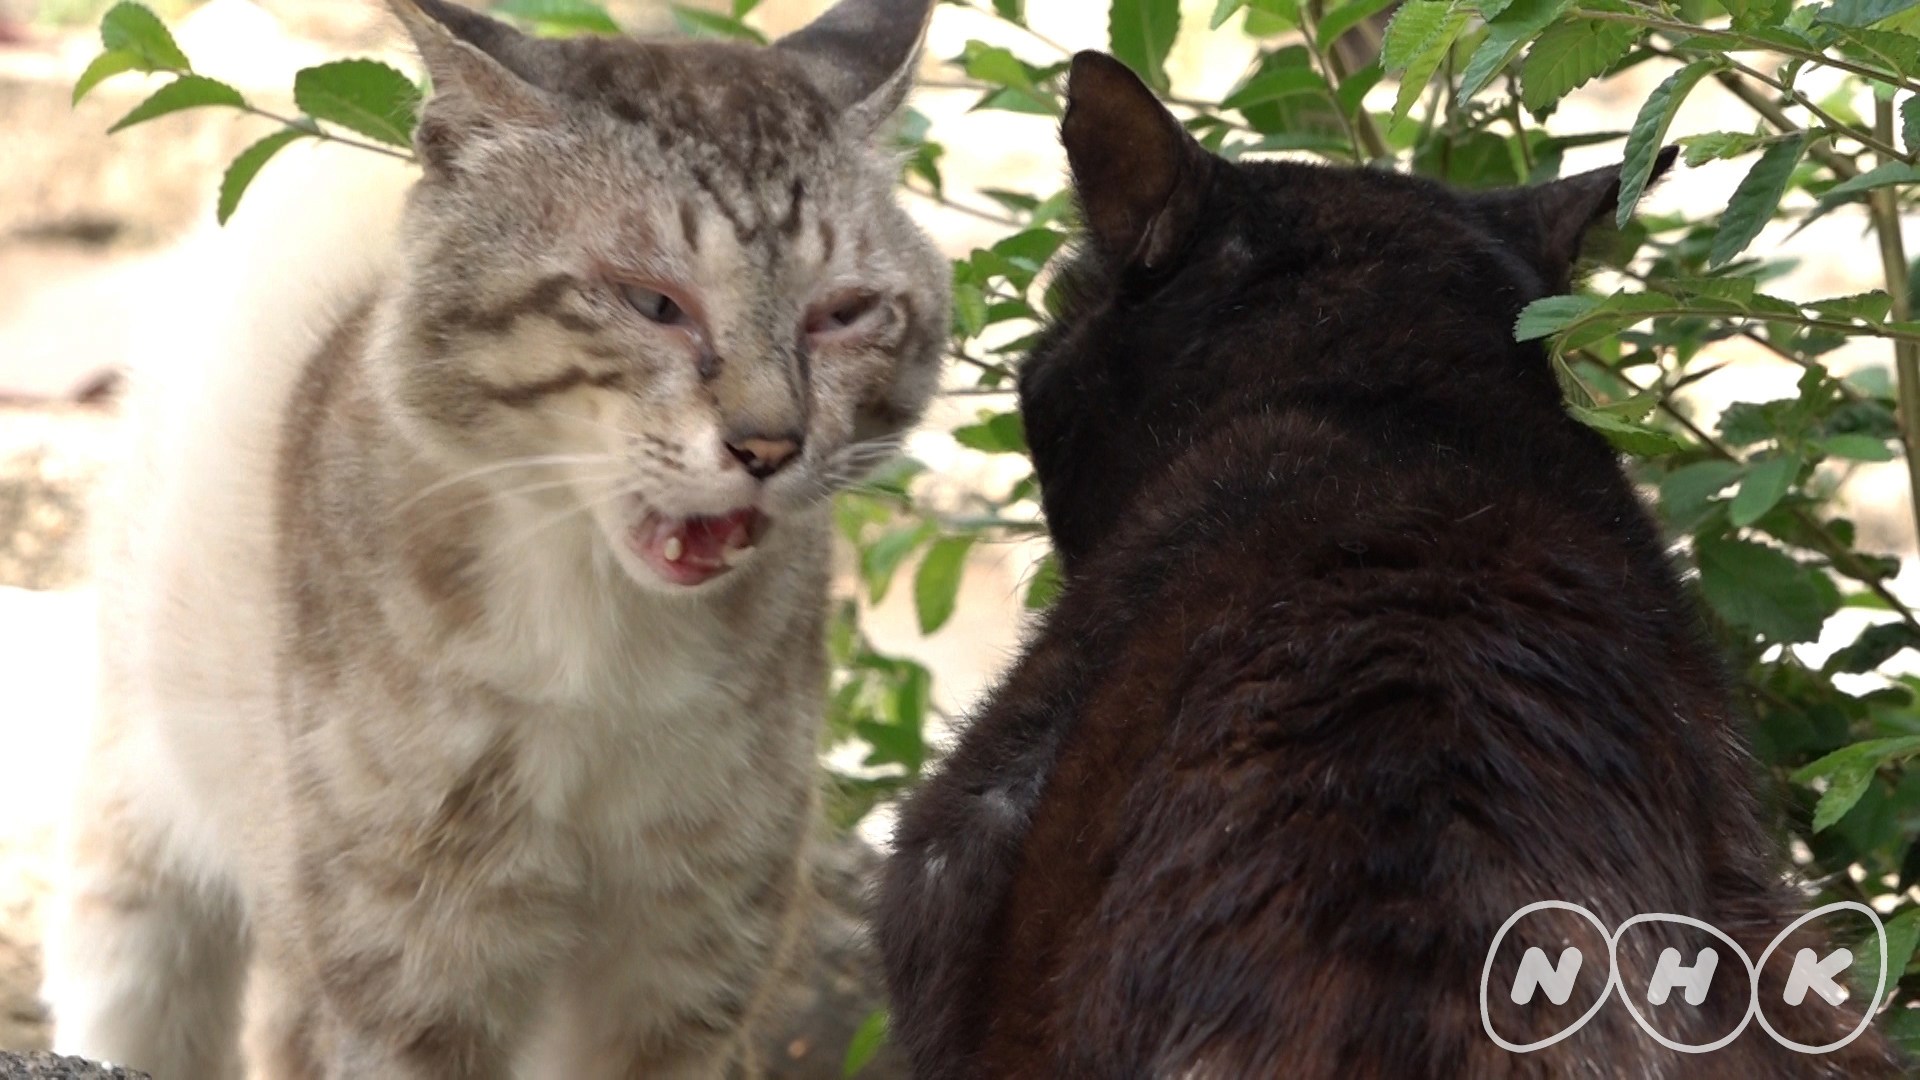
{"type": "Point", "coordinates": [464, 641]}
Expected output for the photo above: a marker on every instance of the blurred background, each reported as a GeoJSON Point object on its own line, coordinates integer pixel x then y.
{"type": "Point", "coordinates": [98, 234]}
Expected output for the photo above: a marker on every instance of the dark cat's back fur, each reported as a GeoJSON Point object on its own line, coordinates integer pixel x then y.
{"type": "Point", "coordinates": [1365, 644]}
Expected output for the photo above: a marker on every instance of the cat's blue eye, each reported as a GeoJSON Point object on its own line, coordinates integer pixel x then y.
{"type": "Point", "coordinates": [654, 306]}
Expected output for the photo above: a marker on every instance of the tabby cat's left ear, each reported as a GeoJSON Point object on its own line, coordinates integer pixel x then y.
{"type": "Point", "coordinates": [862, 54]}
{"type": "Point", "coordinates": [479, 87]}
{"type": "Point", "coordinates": [1548, 222]}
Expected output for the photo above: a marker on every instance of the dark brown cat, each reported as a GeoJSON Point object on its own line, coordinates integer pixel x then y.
{"type": "Point", "coordinates": [1365, 645]}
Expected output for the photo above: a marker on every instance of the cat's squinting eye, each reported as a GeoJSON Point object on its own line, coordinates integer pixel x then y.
{"type": "Point", "coordinates": [655, 306]}
{"type": "Point", "coordinates": [844, 315]}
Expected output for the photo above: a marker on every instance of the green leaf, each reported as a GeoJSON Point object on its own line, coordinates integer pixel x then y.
{"type": "Point", "coordinates": [1766, 484]}
{"type": "Point", "coordinates": [1894, 172]}
{"type": "Point", "coordinates": [1903, 934]}
{"type": "Point", "coordinates": [1410, 30]}
{"type": "Point", "coordinates": [996, 65]}
{"type": "Point", "coordinates": [1432, 52]}
{"type": "Point", "coordinates": [1650, 131]}
{"type": "Point", "coordinates": [570, 16]}
{"type": "Point", "coordinates": [1862, 12]}
{"type": "Point", "coordinates": [883, 557]}
{"type": "Point", "coordinates": [1346, 17]}
{"type": "Point", "coordinates": [1014, 11]}
{"type": "Point", "coordinates": [1276, 84]}
{"type": "Point", "coordinates": [1516, 24]}
{"type": "Point", "coordinates": [185, 92]}
{"type": "Point", "coordinates": [1551, 314]}
{"type": "Point", "coordinates": [240, 174]}
{"type": "Point", "coordinates": [132, 29]}
{"type": "Point", "coordinates": [1223, 11]}
{"type": "Point", "coordinates": [1910, 124]}
{"type": "Point", "coordinates": [1045, 585]}
{"type": "Point", "coordinates": [1755, 200]}
{"type": "Point", "coordinates": [1866, 307]}
{"type": "Point", "coordinates": [1686, 492]}
{"type": "Point", "coordinates": [1626, 435]}
{"type": "Point", "coordinates": [1567, 56]}
{"type": "Point", "coordinates": [363, 96]}
{"type": "Point", "coordinates": [1875, 646]}
{"type": "Point", "coordinates": [700, 23]}
{"type": "Point", "coordinates": [867, 1040]}
{"type": "Point", "coordinates": [105, 66]}
{"type": "Point", "coordinates": [1763, 590]}
{"type": "Point", "coordinates": [1141, 33]}
{"type": "Point", "coordinates": [1848, 771]}
{"type": "Point", "coordinates": [1718, 146]}
{"type": "Point", "coordinates": [1000, 434]}
{"type": "Point", "coordinates": [937, 585]}
{"type": "Point", "coordinates": [1857, 448]}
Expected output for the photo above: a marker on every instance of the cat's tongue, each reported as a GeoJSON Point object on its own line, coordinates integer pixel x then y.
{"type": "Point", "coordinates": [690, 551]}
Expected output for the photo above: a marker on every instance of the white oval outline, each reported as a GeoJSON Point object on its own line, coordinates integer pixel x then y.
{"type": "Point", "coordinates": [1753, 999]}
{"type": "Point", "coordinates": [1486, 975]}
{"type": "Point", "coordinates": [1866, 1014]}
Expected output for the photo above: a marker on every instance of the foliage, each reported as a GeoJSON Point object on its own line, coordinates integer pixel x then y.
{"type": "Point", "coordinates": [1465, 90]}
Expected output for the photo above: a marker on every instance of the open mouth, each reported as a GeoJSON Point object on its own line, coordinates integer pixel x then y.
{"type": "Point", "coordinates": [695, 550]}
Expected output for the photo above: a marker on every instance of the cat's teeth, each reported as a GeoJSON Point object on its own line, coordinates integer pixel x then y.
{"type": "Point", "coordinates": [674, 549]}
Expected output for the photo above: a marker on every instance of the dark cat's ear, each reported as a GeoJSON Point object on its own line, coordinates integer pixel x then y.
{"type": "Point", "coordinates": [862, 54]}
{"type": "Point", "coordinates": [476, 91]}
{"type": "Point", "coordinates": [1548, 222]}
{"type": "Point", "coordinates": [1140, 177]}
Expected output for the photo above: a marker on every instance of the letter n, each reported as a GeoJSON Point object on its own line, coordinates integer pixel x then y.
{"type": "Point", "coordinates": [1555, 979]}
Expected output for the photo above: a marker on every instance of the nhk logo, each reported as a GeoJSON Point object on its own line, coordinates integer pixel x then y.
{"type": "Point", "coordinates": [1554, 977]}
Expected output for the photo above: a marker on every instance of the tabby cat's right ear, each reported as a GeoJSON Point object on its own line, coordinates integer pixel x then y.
{"type": "Point", "coordinates": [1140, 177]}
{"type": "Point", "coordinates": [862, 55]}
{"type": "Point", "coordinates": [470, 58]}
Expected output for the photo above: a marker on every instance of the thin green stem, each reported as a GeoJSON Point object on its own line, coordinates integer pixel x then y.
{"type": "Point", "coordinates": [1773, 114]}
{"type": "Point", "coordinates": [1741, 41]}
{"type": "Point", "coordinates": [318, 132]}
{"type": "Point", "coordinates": [1368, 143]}
{"type": "Point", "coordinates": [1883, 209]}
{"type": "Point", "coordinates": [1856, 134]}
{"type": "Point", "coordinates": [962, 208]}
{"type": "Point", "coordinates": [988, 366]}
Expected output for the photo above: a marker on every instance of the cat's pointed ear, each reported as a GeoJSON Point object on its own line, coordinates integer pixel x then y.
{"type": "Point", "coordinates": [1140, 177]}
{"type": "Point", "coordinates": [1549, 222]}
{"type": "Point", "coordinates": [471, 59]}
{"type": "Point", "coordinates": [862, 55]}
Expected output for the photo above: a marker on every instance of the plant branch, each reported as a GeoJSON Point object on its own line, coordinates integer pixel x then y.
{"type": "Point", "coordinates": [1368, 144]}
{"type": "Point", "coordinates": [1773, 114]}
{"type": "Point", "coordinates": [1883, 209]}
{"type": "Point", "coordinates": [988, 366]}
{"type": "Point", "coordinates": [963, 208]}
{"type": "Point", "coordinates": [1654, 20]}
{"type": "Point", "coordinates": [1837, 126]}
{"type": "Point", "coordinates": [324, 135]}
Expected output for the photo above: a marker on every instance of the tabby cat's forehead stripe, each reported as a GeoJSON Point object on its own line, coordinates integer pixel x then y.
{"type": "Point", "coordinates": [545, 299]}
{"type": "Point", "coordinates": [521, 395]}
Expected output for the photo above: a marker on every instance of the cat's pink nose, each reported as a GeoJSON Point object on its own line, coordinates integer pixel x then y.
{"type": "Point", "coordinates": [762, 457]}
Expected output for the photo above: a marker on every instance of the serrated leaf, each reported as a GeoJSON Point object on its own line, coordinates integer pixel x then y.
{"type": "Point", "coordinates": [1551, 314]}
{"type": "Point", "coordinates": [105, 66]}
{"type": "Point", "coordinates": [1848, 771]}
{"type": "Point", "coordinates": [879, 560]}
{"type": "Point", "coordinates": [1762, 590]}
{"type": "Point", "coordinates": [994, 64]}
{"type": "Point", "coordinates": [1650, 131]}
{"type": "Point", "coordinates": [1430, 50]}
{"type": "Point", "coordinates": [1416, 24]}
{"type": "Point", "coordinates": [1875, 646]}
{"type": "Point", "coordinates": [1567, 56]}
{"type": "Point", "coordinates": [1867, 306]}
{"type": "Point", "coordinates": [936, 587]}
{"type": "Point", "coordinates": [1910, 124]}
{"type": "Point", "coordinates": [1141, 34]}
{"type": "Point", "coordinates": [867, 1040]}
{"type": "Point", "coordinates": [1894, 172]}
{"type": "Point", "coordinates": [1903, 934]}
{"type": "Point", "coordinates": [1516, 25]}
{"type": "Point", "coordinates": [245, 167]}
{"type": "Point", "coordinates": [1686, 492]}
{"type": "Point", "coordinates": [1014, 11]}
{"type": "Point", "coordinates": [1862, 12]}
{"type": "Point", "coordinates": [1845, 788]}
{"type": "Point", "coordinates": [363, 96]}
{"type": "Point", "coordinates": [1755, 200]}
{"type": "Point", "coordinates": [999, 434]}
{"type": "Point", "coordinates": [1346, 17]}
{"type": "Point", "coordinates": [185, 92]}
{"type": "Point", "coordinates": [1717, 146]}
{"type": "Point", "coordinates": [1223, 11]}
{"type": "Point", "coordinates": [138, 32]}
{"type": "Point", "coordinates": [574, 16]}
{"type": "Point", "coordinates": [1627, 436]}
{"type": "Point", "coordinates": [1766, 484]}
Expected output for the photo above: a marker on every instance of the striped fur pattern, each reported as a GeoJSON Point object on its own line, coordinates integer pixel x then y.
{"type": "Point", "coordinates": [402, 727]}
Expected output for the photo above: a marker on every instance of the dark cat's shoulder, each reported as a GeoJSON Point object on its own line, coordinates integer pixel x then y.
{"type": "Point", "coordinates": [1365, 645]}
